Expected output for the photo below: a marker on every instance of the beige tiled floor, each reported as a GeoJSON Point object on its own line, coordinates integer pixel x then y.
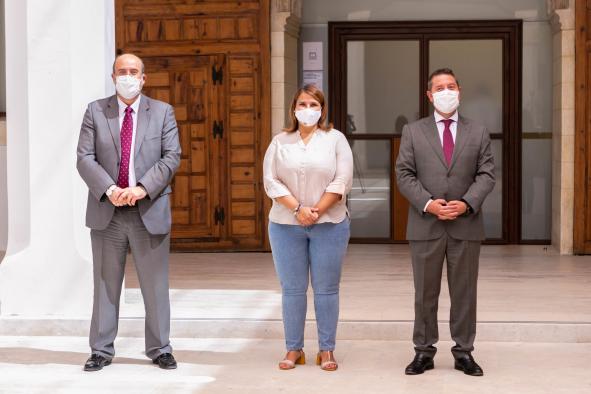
{"type": "Point", "coordinates": [53, 365]}
{"type": "Point", "coordinates": [517, 284]}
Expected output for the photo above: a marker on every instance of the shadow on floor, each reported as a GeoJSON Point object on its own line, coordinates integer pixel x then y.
{"type": "Point", "coordinates": [30, 356]}
{"type": "Point", "coordinates": [216, 358]}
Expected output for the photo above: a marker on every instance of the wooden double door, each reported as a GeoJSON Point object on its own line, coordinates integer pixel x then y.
{"type": "Point", "coordinates": [207, 60]}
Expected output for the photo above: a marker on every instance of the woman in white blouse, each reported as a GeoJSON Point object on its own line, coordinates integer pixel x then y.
{"type": "Point", "coordinates": [308, 171]}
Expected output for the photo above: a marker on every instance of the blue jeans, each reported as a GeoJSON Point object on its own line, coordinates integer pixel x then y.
{"type": "Point", "coordinates": [300, 252]}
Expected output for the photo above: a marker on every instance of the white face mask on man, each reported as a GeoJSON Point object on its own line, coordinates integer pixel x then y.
{"type": "Point", "coordinates": [128, 86]}
{"type": "Point", "coordinates": [308, 116]}
{"type": "Point", "coordinates": [446, 101]}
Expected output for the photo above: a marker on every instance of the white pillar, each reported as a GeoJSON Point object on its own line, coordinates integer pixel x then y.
{"type": "Point", "coordinates": [58, 56]}
{"type": "Point", "coordinates": [563, 135]}
{"type": "Point", "coordinates": [285, 31]}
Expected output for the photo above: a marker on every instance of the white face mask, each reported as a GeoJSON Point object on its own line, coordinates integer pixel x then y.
{"type": "Point", "coordinates": [446, 101]}
{"type": "Point", "coordinates": [308, 116]}
{"type": "Point", "coordinates": [128, 86]}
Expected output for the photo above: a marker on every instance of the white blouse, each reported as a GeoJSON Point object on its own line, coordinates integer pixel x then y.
{"type": "Point", "coordinates": [306, 172]}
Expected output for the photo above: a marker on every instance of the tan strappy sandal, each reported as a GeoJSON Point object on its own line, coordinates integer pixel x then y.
{"type": "Point", "coordinates": [286, 363]}
{"type": "Point", "coordinates": [330, 364]}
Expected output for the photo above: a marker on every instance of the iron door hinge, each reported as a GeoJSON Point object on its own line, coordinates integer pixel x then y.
{"type": "Point", "coordinates": [218, 129]}
{"type": "Point", "coordinates": [217, 75]}
{"type": "Point", "coordinates": [219, 215]}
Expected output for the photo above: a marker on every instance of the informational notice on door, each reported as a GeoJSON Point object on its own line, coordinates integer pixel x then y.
{"type": "Point", "coordinates": [312, 59]}
{"type": "Point", "coordinates": [313, 78]}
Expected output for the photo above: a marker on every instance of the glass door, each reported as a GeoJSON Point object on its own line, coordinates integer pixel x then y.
{"type": "Point", "coordinates": [382, 96]}
{"type": "Point", "coordinates": [378, 78]}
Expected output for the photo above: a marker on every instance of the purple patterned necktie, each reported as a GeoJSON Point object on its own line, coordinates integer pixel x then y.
{"type": "Point", "coordinates": [126, 135]}
{"type": "Point", "coordinates": [448, 141]}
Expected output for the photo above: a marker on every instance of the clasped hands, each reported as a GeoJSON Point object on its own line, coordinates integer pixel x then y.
{"type": "Point", "coordinates": [127, 196]}
{"type": "Point", "coordinates": [307, 216]}
{"type": "Point", "coordinates": [447, 210]}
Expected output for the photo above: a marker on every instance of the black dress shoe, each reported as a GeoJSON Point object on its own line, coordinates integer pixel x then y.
{"type": "Point", "coordinates": [165, 361]}
{"type": "Point", "coordinates": [468, 366]}
{"type": "Point", "coordinates": [96, 362]}
{"type": "Point", "coordinates": [420, 364]}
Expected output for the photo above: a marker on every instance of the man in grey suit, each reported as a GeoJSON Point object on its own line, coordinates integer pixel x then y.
{"type": "Point", "coordinates": [445, 170]}
{"type": "Point", "coordinates": [128, 152]}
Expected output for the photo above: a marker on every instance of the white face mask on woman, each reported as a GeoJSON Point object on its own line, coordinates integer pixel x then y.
{"type": "Point", "coordinates": [308, 116]}
{"type": "Point", "coordinates": [128, 86]}
{"type": "Point", "coordinates": [446, 101]}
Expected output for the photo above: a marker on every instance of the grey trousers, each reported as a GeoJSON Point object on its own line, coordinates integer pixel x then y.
{"type": "Point", "coordinates": [462, 277]}
{"type": "Point", "coordinates": [150, 254]}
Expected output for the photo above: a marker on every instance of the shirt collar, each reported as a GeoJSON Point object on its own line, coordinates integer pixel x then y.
{"type": "Point", "coordinates": [439, 118]}
{"type": "Point", "coordinates": [135, 106]}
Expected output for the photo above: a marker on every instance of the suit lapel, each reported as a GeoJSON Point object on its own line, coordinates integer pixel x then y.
{"type": "Point", "coordinates": [143, 121]}
{"type": "Point", "coordinates": [461, 139]}
{"type": "Point", "coordinates": [112, 115]}
{"type": "Point", "coordinates": [432, 135]}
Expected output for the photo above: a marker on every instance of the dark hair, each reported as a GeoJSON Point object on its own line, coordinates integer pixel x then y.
{"type": "Point", "coordinates": [441, 71]}
{"type": "Point", "coordinates": [313, 91]}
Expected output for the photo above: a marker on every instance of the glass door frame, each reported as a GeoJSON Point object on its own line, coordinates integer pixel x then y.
{"type": "Point", "coordinates": [509, 31]}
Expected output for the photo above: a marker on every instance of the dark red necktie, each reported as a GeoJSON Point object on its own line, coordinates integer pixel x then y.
{"type": "Point", "coordinates": [126, 135]}
{"type": "Point", "coordinates": [448, 141]}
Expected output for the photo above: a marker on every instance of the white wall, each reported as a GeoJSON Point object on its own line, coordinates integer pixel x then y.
{"type": "Point", "coordinates": [59, 54]}
{"type": "Point", "coordinates": [321, 11]}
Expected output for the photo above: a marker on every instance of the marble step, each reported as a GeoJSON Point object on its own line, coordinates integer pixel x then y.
{"type": "Point", "coordinates": [392, 330]}
{"type": "Point", "coordinates": [252, 314]}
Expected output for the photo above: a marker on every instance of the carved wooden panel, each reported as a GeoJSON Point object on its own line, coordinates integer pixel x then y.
{"type": "Point", "coordinates": [187, 84]}
{"type": "Point", "coordinates": [243, 153]}
{"type": "Point", "coordinates": [208, 59]}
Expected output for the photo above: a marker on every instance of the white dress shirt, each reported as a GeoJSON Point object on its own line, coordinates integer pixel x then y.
{"type": "Point", "coordinates": [306, 172]}
{"type": "Point", "coordinates": [453, 127]}
{"type": "Point", "coordinates": [135, 106]}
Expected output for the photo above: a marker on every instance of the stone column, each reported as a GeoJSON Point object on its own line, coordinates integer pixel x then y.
{"type": "Point", "coordinates": [562, 15]}
{"type": "Point", "coordinates": [58, 54]}
{"type": "Point", "coordinates": [285, 31]}
{"type": "Point", "coordinates": [3, 208]}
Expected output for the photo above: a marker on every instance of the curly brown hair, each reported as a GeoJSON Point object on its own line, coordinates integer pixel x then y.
{"type": "Point", "coordinates": [313, 91]}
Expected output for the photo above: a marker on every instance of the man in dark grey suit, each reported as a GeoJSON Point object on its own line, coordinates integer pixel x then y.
{"type": "Point", "coordinates": [445, 170]}
{"type": "Point", "coordinates": [128, 152]}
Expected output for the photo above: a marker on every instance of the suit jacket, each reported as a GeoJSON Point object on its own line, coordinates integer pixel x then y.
{"type": "Point", "coordinates": [422, 174]}
{"type": "Point", "coordinates": [157, 157]}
